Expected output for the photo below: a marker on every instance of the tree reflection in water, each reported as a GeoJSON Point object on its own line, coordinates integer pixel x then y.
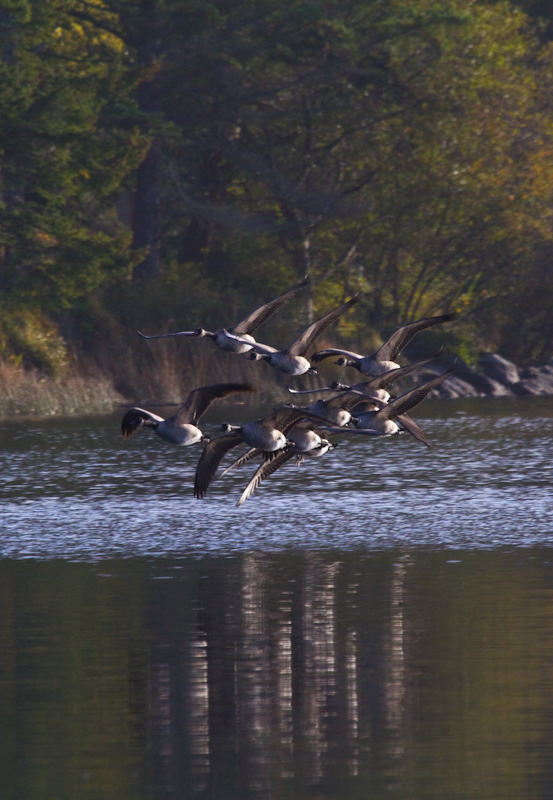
{"type": "Point", "coordinates": [341, 673]}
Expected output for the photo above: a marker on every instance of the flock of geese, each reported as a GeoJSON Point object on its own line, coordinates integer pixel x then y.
{"type": "Point", "coordinates": [366, 408]}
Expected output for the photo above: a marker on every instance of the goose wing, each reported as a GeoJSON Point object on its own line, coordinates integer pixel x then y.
{"type": "Point", "coordinates": [401, 337]}
{"type": "Point", "coordinates": [211, 457]}
{"type": "Point", "coordinates": [199, 400]}
{"type": "Point", "coordinates": [286, 416]}
{"type": "Point", "coordinates": [263, 312]}
{"type": "Point", "coordinates": [333, 387]}
{"type": "Point", "coordinates": [331, 430]}
{"type": "Point", "coordinates": [245, 458]}
{"type": "Point", "coordinates": [412, 427]}
{"type": "Point", "coordinates": [306, 339]}
{"type": "Point", "coordinates": [134, 418]}
{"type": "Point", "coordinates": [334, 351]}
{"type": "Point", "coordinates": [263, 471]}
{"type": "Point", "coordinates": [165, 335]}
{"type": "Point", "coordinates": [347, 400]}
{"type": "Point", "coordinates": [383, 381]}
{"type": "Point", "coordinates": [257, 346]}
{"type": "Point", "coordinates": [405, 402]}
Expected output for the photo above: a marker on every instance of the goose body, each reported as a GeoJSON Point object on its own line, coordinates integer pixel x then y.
{"type": "Point", "coordinates": [376, 388]}
{"type": "Point", "coordinates": [302, 438]}
{"type": "Point", "coordinates": [334, 410]}
{"type": "Point", "coordinates": [337, 410]}
{"type": "Point", "coordinates": [305, 441]}
{"type": "Point", "coordinates": [230, 345]}
{"type": "Point", "coordinates": [391, 418]}
{"type": "Point", "coordinates": [170, 430]}
{"type": "Point", "coordinates": [224, 338]}
{"type": "Point", "coordinates": [384, 359]}
{"type": "Point", "coordinates": [267, 435]}
{"type": "Point", "coordinates": [305, 437]}
{"type": "Point", "coordinates": [283, 361]}
{"type": "Point", "coordinates": [292, 360]}
{"type": "Point", "coordinates": [181, 428]}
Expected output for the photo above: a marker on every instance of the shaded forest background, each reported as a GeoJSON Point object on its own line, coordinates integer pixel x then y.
{"type": "Point", "coordinates": [165, 165]}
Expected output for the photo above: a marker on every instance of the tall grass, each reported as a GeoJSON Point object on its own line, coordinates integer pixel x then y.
{"type": "Point", "coordinates": [160, 372]}
{"type": "Point", "coordinates": [30, 393]}
{"type": "Point", "coordinates": [165, 370]}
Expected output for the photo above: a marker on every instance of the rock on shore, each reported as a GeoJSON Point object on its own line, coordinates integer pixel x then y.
{"type": "Point", "coordinates": [497, 377]}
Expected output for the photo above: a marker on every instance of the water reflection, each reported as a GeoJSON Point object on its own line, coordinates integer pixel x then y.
{"type": "Point", "coordinates": [376, 624]}
{"type": "Point", "coordinates": [299, 674]}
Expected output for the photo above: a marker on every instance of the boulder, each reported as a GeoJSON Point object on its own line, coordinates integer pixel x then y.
{"type": "Point", "coordinates": [499, 369]}
{"type": "Point", "coordinates": [535, 380]}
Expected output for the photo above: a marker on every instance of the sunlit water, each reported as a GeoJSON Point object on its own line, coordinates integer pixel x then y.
{"type": "Point", "coordinates": [75, 488]}
{"type": "Point", "coordinates": [375, 623]}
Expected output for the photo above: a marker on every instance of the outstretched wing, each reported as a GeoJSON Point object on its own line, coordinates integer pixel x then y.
{"type": "Point", "coordinates": [266, 349]}
{"type": "Point", "coordinates": [165, 335]}
{"type": "Point", "coordinates": [383, 381]}
{"type": "Point", "coordinates": [245, 458]}
{"type": "Point", "coordinates": [413, 428]}
{"type": "Point", "coordinates": [306, 339]}
{"type": "Point", "coordinates": [331, 430]}
{"type": "Point", "coordinates": [333, 351]}
{"type": "Point", "coordinates": [405, 402]}
{"type": "Point", "coordinates": [263, 471]}
{"type": "Point", "coordinates": [401, 337]}
{"type": "Point", "coordinates": [349, 399]}
{"type": "Point", "coordinates": [134, 418]}
{"type": "Point", "coordinates": [288, 415]}
{"type": "Point", "coordinates": [211, 457]}
{"type": "Point", "coordinates": [335, 386]}
{"type": "Point", "coordinates": [199, 400]}
{"type": "Point", "coordinates": [261, 314]}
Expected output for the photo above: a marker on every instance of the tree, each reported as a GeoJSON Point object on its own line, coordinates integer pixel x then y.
{"type": "Point", "coordinates": [66, 145]}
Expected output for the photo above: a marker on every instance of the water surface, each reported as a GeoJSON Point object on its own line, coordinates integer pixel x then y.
{"type": "Point", "coordinates": [376, 623]}
{"type": "Point", "coordinates": [75, 488]}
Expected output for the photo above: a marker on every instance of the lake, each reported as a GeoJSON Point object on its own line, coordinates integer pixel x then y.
{"type": "Point", "coordinates": [374, 623]}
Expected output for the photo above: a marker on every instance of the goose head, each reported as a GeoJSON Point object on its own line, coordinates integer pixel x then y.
{"type": "Point", "coordinates": [345, 362]}
{"type": "Point", "coordinates": [226, 427]}
{"type": "Point", "coordinates": [202, 333]}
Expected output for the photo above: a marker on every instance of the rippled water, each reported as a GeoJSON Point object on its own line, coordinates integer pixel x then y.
{"type": "Point", "coordinates": [375, 623]}
{"type": "Point", "coordinates": [75, 488]}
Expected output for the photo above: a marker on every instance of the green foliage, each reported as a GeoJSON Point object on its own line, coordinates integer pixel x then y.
{"type": "Point", "coordinates": [35, 337]}
{"type": "Point", "coordinates": [64, 155]}
{"type": "Point", "coordinates": [401, 148]}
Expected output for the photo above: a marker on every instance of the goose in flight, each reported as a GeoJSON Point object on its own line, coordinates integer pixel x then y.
{"type": "Point", "coordinates": [308, 443]}
{"type": "Point", "coordinates": [392, 417]}
{"type": "Point", "coordinates": [267, 435]}
{"type": "Point", "coordinates": [384, 359]}
{"type": "Point", "coordinates": [375, 388]}
{"type": "Point", "coordinates": [182, 427]}
{"type": "Point", "coordinates": [337, 410]}
{"type": "Point", "coordinates": [224, 339]}
{"type": "Point", "coordinates": [302, 437]}
{"type": "Point", "coordinates": [292, 360]}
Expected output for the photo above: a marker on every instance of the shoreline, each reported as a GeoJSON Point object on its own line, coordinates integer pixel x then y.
{"type": "Point", "coordinates": [31, 394]}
